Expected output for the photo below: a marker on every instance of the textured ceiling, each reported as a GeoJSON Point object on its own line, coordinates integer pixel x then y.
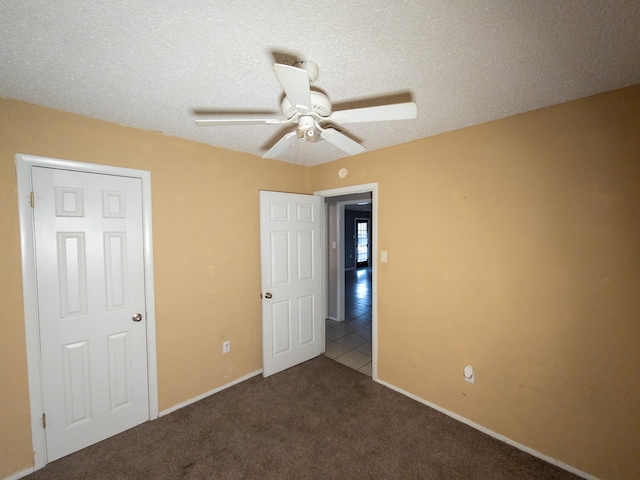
{"type": "Point", "coordinates": [150, 63]}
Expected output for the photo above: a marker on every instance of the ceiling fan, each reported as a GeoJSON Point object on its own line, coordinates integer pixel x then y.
{"type": "Point", "coordinates": [311, 111]}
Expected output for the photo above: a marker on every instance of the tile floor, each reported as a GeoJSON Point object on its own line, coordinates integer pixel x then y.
{"type": "Point", "coordinates": [349, 342]}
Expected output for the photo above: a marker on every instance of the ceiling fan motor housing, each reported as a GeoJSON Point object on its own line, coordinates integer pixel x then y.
{"type": "Point", "coordinates": [320, 107]}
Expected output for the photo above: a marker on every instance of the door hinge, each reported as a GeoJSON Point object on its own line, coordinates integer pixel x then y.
{"type": "Point", "coordinates": [33, 201]}
{"type": "Point", "coordinates": [44, 420]}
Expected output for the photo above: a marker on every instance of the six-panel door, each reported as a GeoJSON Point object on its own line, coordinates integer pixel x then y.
{"type": "Point", "coordinates": [290, 247]}
{"type": "Point", "coordinates": [90, 285]}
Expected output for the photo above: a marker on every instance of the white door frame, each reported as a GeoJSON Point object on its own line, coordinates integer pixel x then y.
{"type": "Point", "coordinates": [334, 192]}
{"type": "Point", "coordinates": [24, 164]}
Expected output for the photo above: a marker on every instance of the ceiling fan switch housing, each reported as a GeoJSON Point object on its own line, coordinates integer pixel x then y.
{"type": "Point", "coordinates": [306, 122]}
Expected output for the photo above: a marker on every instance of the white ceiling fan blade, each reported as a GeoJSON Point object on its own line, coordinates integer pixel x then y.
{"type": "Point", "coordinates": [397, 111]}
{"type": "Point", "coordinates": [342, 141]}
{"type": "Point", "coordinates": [207, 122]}
{"type": "Point", "coordinates": [281, 145]}
{"type": "Point", "coordinates": [295, 83]}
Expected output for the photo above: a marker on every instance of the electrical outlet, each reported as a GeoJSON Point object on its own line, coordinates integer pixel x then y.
{"type": "Point", "coordinates": [226, 346]}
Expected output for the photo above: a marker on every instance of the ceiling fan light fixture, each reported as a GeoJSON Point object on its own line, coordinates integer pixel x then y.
{"type": "Point", "coordinates": [309, 135]}
{"type": "Point", "coordinates": [307, 128]}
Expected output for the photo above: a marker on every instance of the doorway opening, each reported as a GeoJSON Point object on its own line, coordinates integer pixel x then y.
{"type": "Point", "coordinates": [350, 325]}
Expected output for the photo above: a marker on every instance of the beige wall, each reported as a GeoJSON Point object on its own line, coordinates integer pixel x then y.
{"type": "Point", "coordinates": [512, 245]}
{"type": "Point", "coordinates": [205, 226]}
{"type": "Point", "coordinates": [515, 246]}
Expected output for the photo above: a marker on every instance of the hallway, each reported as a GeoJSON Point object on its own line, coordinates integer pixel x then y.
{"type": "Point", "coordinates": [349, 342]}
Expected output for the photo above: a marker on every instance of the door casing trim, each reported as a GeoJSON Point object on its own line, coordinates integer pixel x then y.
{"type": "Point", "coordinates": [24, 164]}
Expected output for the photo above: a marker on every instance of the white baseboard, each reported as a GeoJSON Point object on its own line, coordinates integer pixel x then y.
{"type": "Point", "coordinates": [21, 474]}
{"type": "Point", "coordinates": [208, 394]}
{"type": "Point", "coordinates": [491, 433]}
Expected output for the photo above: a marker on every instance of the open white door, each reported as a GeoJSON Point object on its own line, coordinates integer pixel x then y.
{"type": "Point", "coordinates": [290, 254]}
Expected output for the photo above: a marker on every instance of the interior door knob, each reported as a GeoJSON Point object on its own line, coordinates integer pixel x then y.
{"type": "Point", "coordinates": [137, 317]}
{"type": "Point", "coordinates": [268, 295]}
